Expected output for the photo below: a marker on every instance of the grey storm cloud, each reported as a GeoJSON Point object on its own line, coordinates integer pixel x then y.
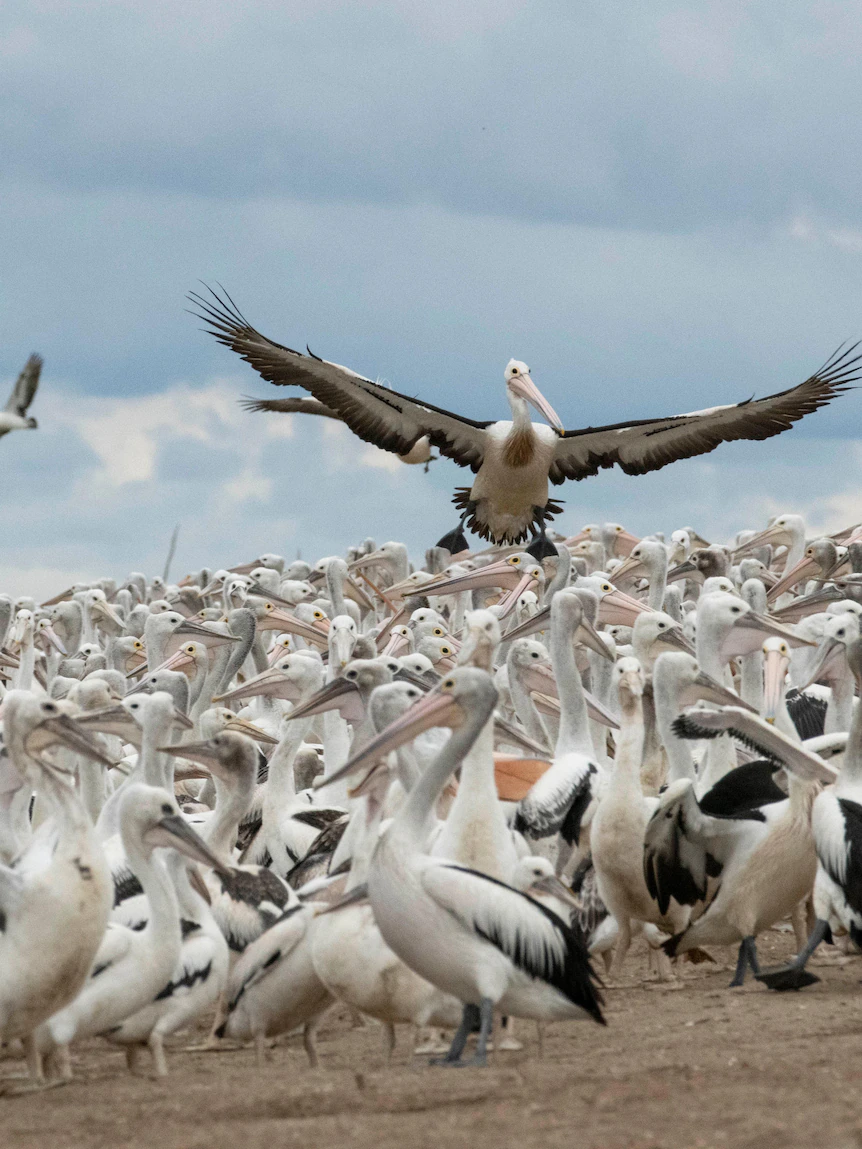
{"type": "Point", "coordinates": [655, 115]}
{"type": "Point", "coordinates": [654, 205]}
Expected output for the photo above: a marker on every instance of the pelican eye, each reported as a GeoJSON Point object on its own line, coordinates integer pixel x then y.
{"type": "Point", "coordinates": [445, 649]}
{"type": "Point", "coordinates": [439, 631]}
{"type": "Point", "coordinates": [138, 645]}
{"type": "Point", "coordinates": [268, 606]}
{"type": "Point", "coordinates": [662, 625]}
{"type": "Point", "coordinates": [351, 674]}
{"type": "Point", "coordinates": [607, 586]}
{"type": "Point", "coordinates": [449, 684]}
{"type": "Point", "coordinates": [734, 610]}
{"type": "Point", "coordinates": [166, 809]}
{"type": "Point", "coordinates": [318, 614]}
{"type": "Point", "coordinates": [515, 560]}
{"type": "Point", "coordinates": [783, 648]}
{"type": "Point", "coordinates": [534, 654]}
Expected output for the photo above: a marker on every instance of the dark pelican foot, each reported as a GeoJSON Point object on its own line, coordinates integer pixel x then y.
{"type": "Point", "coordinates": [747, 957]}
{"type": "Point", "coordinates": [794, 975]}
{"type": "Point", "coordinates": [455, 541]}
{"type": "Point", "coordinates": [541, 547]}
{"type": "Point", "coordinates": [483, 1017]}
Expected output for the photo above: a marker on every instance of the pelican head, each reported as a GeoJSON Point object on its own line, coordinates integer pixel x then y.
{"type": "Point", "coordinates": [32, 425]}
{"type": "Point", "coordinates": [520, 385]}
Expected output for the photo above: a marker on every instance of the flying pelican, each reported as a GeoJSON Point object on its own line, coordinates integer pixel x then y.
{"type": "Point", "coordinates": [14, 415]}
{"type": "Point", "coordinates": [514, 459]}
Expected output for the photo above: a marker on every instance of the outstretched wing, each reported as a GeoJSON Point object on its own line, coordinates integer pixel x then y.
{"type": "Point", "coordinates": [291, 407]}
{"type": "Point", "coordinates": [648, 444]}
{"type": "Point", "coordinates": [386, 418]}
{"type": "Point", "coordinates": [760, 736]}
{"type": "Point", "coordinates": [25, 388]}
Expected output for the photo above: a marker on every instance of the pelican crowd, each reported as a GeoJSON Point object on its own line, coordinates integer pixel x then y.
{"type": "Point", "coordinates": [447, 794]}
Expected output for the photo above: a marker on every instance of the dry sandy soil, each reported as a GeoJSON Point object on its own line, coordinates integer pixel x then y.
{"type": "Point", "coordinates": [697, 1065]}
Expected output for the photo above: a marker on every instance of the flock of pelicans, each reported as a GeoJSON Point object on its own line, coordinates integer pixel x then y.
{"type": "Point", "coordinates": [432, 794]}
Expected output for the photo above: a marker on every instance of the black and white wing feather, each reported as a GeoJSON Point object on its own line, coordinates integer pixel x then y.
{"type": "Point", "coordinates": [560, 800]}
{"type": "Point", "coordinates": [683, 846]}
{"type": "Point", "coordinates": [647, 444]}
{"type": "Point", "coordinates": [837, 827]}
{"type": "Point", "coordinates": [25, 388]}
{"type": "Point", "coordinates": [386, 418]}
{"type": "Point", "coordinates": [264, 954]}
{"type": "Point", "coordinates": [760, 736]}
{"type": "Point", "coordinates": [538, 942]}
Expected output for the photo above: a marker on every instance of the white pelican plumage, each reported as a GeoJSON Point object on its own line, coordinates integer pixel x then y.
{"type": "Point", "coordinates": [56, 897]}
{"type": "Point", "coordinates": [132, 966]}
{"type": "Point", "coordinates": [467, 933]}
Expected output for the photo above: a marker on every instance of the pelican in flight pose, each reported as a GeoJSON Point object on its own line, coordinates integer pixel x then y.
{"type": "Point", "coordinates": [14, 415]}
{"type": "Point", "coordinates": [515, 458]}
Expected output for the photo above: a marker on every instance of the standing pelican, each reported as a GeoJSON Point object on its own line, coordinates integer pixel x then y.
{"type": "Point", "coordinates": [467, 933]}
{"type": "Point", "coordinates": [514, 459]}
{"type": "Point", "coordinates": [55, 900]}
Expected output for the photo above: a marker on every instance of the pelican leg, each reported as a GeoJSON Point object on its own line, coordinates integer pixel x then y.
{"type": "Point", "coordinates": [388, 1041]}
{"type": "Point", "coordinates": [794, 975]}
{"type": "Point", "coordinates": [157, 1049]}
{"type": "Point", "coordinates": [747, 957]}
{"type": "Point", "coordinates": [34, 1059]}
{"type": "Point", "coordinates": [309, 1034]}
{"type": "Point", "coordinates": [486, 1025]}
{"type": "Point", "coordinates": [470, 1018]}
{"type": "Point", "coordinates": [541, 546]}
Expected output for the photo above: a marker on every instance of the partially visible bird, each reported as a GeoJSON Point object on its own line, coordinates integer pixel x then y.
{"type": "Point", "coordinates": [14, 415]}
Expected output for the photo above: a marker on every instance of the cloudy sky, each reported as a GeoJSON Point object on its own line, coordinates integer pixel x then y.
{"type": "Point", "coordinates": [655, 205]}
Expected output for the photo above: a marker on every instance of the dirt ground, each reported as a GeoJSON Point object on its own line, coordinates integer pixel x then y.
{"type": "Point", "coordinates": [696, 1065]}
